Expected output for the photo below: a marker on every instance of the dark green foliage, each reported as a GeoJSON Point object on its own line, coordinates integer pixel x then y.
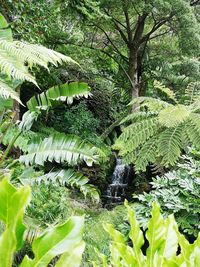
{"type": "Point", "coordinates": [77, 120]}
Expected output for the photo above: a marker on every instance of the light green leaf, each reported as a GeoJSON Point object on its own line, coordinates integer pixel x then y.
{"type": "Point", "coordinates": [56, 241]}
{"type": "Point", "coordinates": [13, 203]}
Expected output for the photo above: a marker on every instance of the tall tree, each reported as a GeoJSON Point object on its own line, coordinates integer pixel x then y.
{"type": "Point", "coordinates": [124, 29]}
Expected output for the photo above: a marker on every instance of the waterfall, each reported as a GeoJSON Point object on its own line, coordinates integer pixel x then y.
{"type": "Point", "coordinates": [116, 190]}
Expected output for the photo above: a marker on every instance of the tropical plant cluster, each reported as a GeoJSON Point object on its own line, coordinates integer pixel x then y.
{"type": "Point", "coordinates": [99, 133]}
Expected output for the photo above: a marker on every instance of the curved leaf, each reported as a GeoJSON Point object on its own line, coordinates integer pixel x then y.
{"type": "Point", "coordinates": [56, 241]}
{"type": "Point", "coordinates": [64, 92]}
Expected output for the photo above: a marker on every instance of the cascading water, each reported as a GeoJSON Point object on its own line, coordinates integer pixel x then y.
{"type": "Point", "coordinates": [116, 191]}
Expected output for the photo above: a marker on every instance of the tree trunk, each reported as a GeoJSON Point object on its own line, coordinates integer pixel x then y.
{"type": "Point", "coordinates": [133, 74]}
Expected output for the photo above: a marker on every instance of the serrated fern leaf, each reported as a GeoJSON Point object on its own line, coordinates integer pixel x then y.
{"type": "Point", "coordinates": [173, 115]}
{"type": "Point", "coordinates": [170, 144]}
{"type": "Point", "coordinates": [60, 148]}
{"type": "Point", "coordinates": [136, 134]}
{"type": "Point", "coordinates": [147, 154]}
{"type": "Point", "coordinates": [193, 129]}
{"type": "Point", "coordinates": [138, 116]}
{"type": "Point", "coordinates": [192, 92]}
{"type": "Point", "coordinates": [6, 91]}
{"type": "Point", "coordinates": [168, 92]}
{"type": "Point", "coordinates": [153, 104]}
{"type": "Point", "coordinates": [66, 178]}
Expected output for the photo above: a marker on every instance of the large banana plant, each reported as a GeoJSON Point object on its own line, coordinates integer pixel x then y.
{"type": "Point", "coordinates": [63, 240]}
{"type": "Point", "coordinates": [16, 58]}
{"type": "Point", "coordinates": [167, 247]}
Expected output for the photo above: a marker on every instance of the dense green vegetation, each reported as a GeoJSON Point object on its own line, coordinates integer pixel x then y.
{"type": "Point", "coordinates": [99, 103]}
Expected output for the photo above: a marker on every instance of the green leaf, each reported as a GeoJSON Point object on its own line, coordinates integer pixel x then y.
{"type": "Point", "coordinates": [12, 206]}
{"type": "Point", "coordinates": [136, 236]}
{"type": "Point", "coordinates": [63, 92]}
{"type": "Point", "coordinates": [60, 148]}
{"type": "Point", "coordinates": [72, 258]}
{"type": "Point", "coordinates": [64, 177]}
{"type": "Point", "coordinates": [156, 236]}
{"type": "Point", "coordinates": [173, 115]}
{"type": "Point", "coordinates": [55, 241]}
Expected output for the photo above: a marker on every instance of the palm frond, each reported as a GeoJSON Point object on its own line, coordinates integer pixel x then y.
{"type": "Point", "coordinates": [60, 148]}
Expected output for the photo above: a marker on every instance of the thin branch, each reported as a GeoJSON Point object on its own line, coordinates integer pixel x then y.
{"type": "Point", "coordinates": [161, 34]}
{"type": "Point", "coordinates": [128, 27]}
{"type": "Point", "coordinates": [118, 28]}
{"type": "Point", "coordinates": [112, 43]}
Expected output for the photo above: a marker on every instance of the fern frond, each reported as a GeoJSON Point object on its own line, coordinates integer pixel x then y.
{"type": "Point", "coordinates": [66, 178]}
{"type": "Point", "coordinates": [173, 115]}
{"type": "Point", "coordinates": [170, 144]}
{"type": "Point", "coordinates": [63, 92]}
{"type": "Point", "coordinates": [136, 134]}
{"type": "Point", "coordinates": [22, 141]}
{"type": "Point", "coordinates": [6, 91]}
{"type": "Point", "coordinates": [168, 92]}
{"type": "Point", "coordinates": [60, 148]}
{"type": "Point", "coordinates": [192, 129]}
{"type": "Point", "coordinates": [192, 92]}
{"type": "Point", "coordinates": [138, 116]}
{"type": "Point", "coordinates": [147, 154]}
{"type": "Point", "coordinates": [153, 104]}
{"type": "Point", "coordinates": [17, 57]}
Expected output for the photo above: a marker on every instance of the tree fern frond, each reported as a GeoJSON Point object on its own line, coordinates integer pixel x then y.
{"type": "Point", "coordinates": [63, 92]}
{"type": "Point", "coordinates": [173, 115]}
{"type": "Point", "coordinates": [192, 92]}
{"type": "Point", "coordinates": [147, 154]}
{"type": "Point", "coordinates": [136, 134]}
{"type": "Point", "coordinates": [138, 116]}
{"type": "Point", "coordinates": [6, 91]}
{"type": "Point", "coordinates": [192, 129]}
{"type": "Point", "coordinates": [60, 148]}
{"type": "Point", "coordinates": [17, 57]}
{"type": "Point", "coordinates": [153, 104]}
{"type": "Point", "coordinates": [168, 92]}
{"type": "Point", "coordinates": [66, 178]}
{"type": "Point", "coordinates": [170, 144]}
{"type": "Point", "coordinates": [14, 69]}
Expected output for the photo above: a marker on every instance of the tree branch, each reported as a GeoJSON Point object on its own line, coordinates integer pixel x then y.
{"type": "Point", "coordinates": [118, 28]}
{"type": "Point", "coordinates": [128, 27]}
{"type": "Point", "coordinates": [112, 43]}
{"type": "Point", "coordinates": [155, 28]}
